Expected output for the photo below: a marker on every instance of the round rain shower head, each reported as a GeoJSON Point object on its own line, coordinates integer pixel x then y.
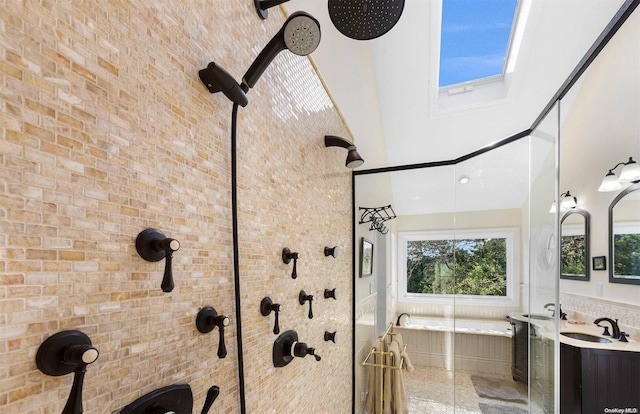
{"type": "Point", "coordinates": [302, 34]}
{"type": "Point", "coordinates": [365, 19]}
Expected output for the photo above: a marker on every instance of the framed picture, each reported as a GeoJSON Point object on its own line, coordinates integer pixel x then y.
{"type": "Point", "coordinates": [599, 263]}
{"type": "Point", "coordinates": [366, 257]}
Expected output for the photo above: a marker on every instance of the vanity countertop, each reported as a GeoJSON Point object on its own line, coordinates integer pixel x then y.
{"type": "Point", "coordinates": [547, 330]}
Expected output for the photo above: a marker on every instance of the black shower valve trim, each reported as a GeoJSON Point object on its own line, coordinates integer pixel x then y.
{"type": "Point", "coordinates": [302, 298]}
{"type": "Point", "coordinates": [266, 307]}
{"type": "Point", "coordinates": [208, 319]}
{"type": "Point", "coordinates": [287, 256]}
{"type": "Point", "coordinates": [331, 251]}
{"type": "Point", "coordinates": [331, 293]}
{"type": "Point", "coordinates": [152, 245]}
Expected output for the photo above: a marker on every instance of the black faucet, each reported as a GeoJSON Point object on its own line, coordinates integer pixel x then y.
{"type": "Point", "coordinates": [614, 327]}
{"type": "Point", "coordinates": [400, 316]}
{"type": "Point", "coordinates": [553, 311]}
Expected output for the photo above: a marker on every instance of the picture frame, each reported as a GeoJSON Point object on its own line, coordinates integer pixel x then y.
{"type": "Point", "coordinates": [599, 262]}
{"type": "Point", "coordinates": [366, 257]}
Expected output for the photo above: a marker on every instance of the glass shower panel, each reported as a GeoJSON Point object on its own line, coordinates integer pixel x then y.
{"type": "Point", "coordinates": [491, 216]}
{"type": "Point", "coordinates": [542, 280]}
{"type": "Point", "coordinates": [424, 203]}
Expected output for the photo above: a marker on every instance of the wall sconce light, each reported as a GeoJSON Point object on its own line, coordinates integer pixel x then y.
{"type": "Point", "coordinates": [629, 173]}
{"type": "Point", "coordinates": [568, 202]}
{"type": "Point", "coordinates": [354, 159]}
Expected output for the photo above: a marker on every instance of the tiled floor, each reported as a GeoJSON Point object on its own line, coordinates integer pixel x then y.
{"type": "Point", "coordinates": [431, 391]}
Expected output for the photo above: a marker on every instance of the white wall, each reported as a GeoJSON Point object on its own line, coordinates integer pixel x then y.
{"type": "Point", "coordinates": [601, 127]}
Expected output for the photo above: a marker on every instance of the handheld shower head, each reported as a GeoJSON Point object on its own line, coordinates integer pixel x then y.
{"type": "Point", "coordinates": [300, 34]}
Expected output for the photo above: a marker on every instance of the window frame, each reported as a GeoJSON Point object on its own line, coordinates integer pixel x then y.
{"type": "Point", "coordinates": [512, 236]}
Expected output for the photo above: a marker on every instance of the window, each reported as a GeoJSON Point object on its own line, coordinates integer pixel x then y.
{"type": "Point", "coordinates": [479, 266]}
{"type": "Point", "coordinates": [475, 39]}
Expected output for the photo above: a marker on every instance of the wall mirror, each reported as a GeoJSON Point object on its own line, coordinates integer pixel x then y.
{"type": "Point", "coordinates": [624, 237]}
{"type": "Point", "coordinates": [574, 245]}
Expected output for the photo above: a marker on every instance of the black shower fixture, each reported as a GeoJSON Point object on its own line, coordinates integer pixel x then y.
{"type": "Point", "coordinates": [331, 293]}
{"type": "Point", "coordinates": [356, 19]}
{"type": "Point", "coordinates": [354, 159]}
{"type": "Point", "coordinates": [330, 336]}
{"type": "Point", "coordinates": [63, 353]}
{"type": "Point", "coordinates": [365, 19]}
{"type": "Point", "coordinates": [266, 307]}
{"type": "Point", "coordinates": [302, 298]}
{"type": "Point", "coordinates": [206, 320]}
{"type": "Point", "coordinates": [331, 251]}
{"type": "Point", "coordinates": [152, 245]}
{"type": "Point", "coordinates": [287, 256]}
{"type": "Point", "coordinates": [300, 34]}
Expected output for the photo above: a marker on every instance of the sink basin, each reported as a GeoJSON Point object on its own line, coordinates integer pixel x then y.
{"type": "Point", "coordinates": [586, 337]}
{"type": "Point", "coordinates": [540, 317]}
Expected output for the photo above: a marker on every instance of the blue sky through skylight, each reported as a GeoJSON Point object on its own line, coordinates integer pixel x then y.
{"type": "Point", "coordinates": [475, 37]}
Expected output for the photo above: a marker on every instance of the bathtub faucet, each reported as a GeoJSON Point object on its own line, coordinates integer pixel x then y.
{"type": "Point", "coordinates": [400, 316]}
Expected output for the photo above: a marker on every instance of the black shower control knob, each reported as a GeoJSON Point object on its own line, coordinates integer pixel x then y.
{"type": "Point", "coordinates": [167, 245]}
{"type": "Point", "coordinates": [80, 354]}
{"type": "Point", "coordinates": [301, 350]}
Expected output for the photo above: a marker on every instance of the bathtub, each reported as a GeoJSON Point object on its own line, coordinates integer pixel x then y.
{"type": "Point", "coordinates": [469, 326]}
{"type": "Point", "coordinates": [472, 345]}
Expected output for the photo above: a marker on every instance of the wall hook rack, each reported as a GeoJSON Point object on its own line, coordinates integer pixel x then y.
{"type": "Point", "coordinates": [377, 216]}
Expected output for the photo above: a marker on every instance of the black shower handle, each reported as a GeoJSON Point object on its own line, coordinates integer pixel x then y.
{"type": "Point", "coordinates": [212, 394]}
{"type": "Point", "coordinates": [302, 298]}
{"type": "Point", "coordinates": [266, 307]}
{"type": "Point", "coordinates": [287, 255]}
{"type": "Point", "coordinates": [168, 246]}
{"type": "Point", "coordinates": [153, 246]}
{"type": "Point", "coordinates": [221, 321]}
{"type": "Point", "coordinates": [276, 326]}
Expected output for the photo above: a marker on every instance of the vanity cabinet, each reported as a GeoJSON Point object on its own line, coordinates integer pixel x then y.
{"type": "Point", "coordinates": [520, 350]}
{"type": "Point", "coordinates": [592, 380]}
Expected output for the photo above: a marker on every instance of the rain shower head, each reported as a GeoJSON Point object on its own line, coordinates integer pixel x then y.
{"type": "Point", "coordinates": [354, 159]}
{"type": "Point", "coordinates": [365, 19]}
{"type": "Point", "coordinates": [300, 34]}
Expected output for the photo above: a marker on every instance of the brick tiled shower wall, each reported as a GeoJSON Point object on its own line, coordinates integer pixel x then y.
{"type": "Point", "coordinates": [106, 130]}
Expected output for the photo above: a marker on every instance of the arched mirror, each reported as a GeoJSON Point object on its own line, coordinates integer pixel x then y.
{"type": "Point", "coordinates": [574, 245]}
{"type": "Point", "coordinates": [624, 237]}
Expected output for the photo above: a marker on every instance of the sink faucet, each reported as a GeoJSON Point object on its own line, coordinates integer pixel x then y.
{"type": "Point", "coordinates": [400, 316]}
{"type": "Point", "coordinates": [553, 310]}
{"type": "Point", "coordinates": [614, 327]}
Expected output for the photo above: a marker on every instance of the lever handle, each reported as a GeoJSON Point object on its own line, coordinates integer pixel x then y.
{"type": "Point", "coordinates": [212, 394]}
{"type": "Point", "coordinates": [153, 246]}
{"type": "Point", "coordinates": [206, 320]}
{"type": "Point", "coordinates": [606, 330]}
{"type": "Point", "coordinates": [302, 298]}
{"type": "Point", "coordinates": [168, 246]}
{"type": "Point", "coordinates": [623, 337]}
{"type": "Point", "coordinates": [276, 326]}
{"type": "Point", "coordinates": [287, 256]}
{"type": "Point", "coordinates": [221, 321]}
{"type": "Point", "coordinates": [266, 307]}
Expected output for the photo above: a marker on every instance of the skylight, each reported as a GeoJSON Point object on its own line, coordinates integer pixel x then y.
{"type": "Point", "coordinates": [475, 39]}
